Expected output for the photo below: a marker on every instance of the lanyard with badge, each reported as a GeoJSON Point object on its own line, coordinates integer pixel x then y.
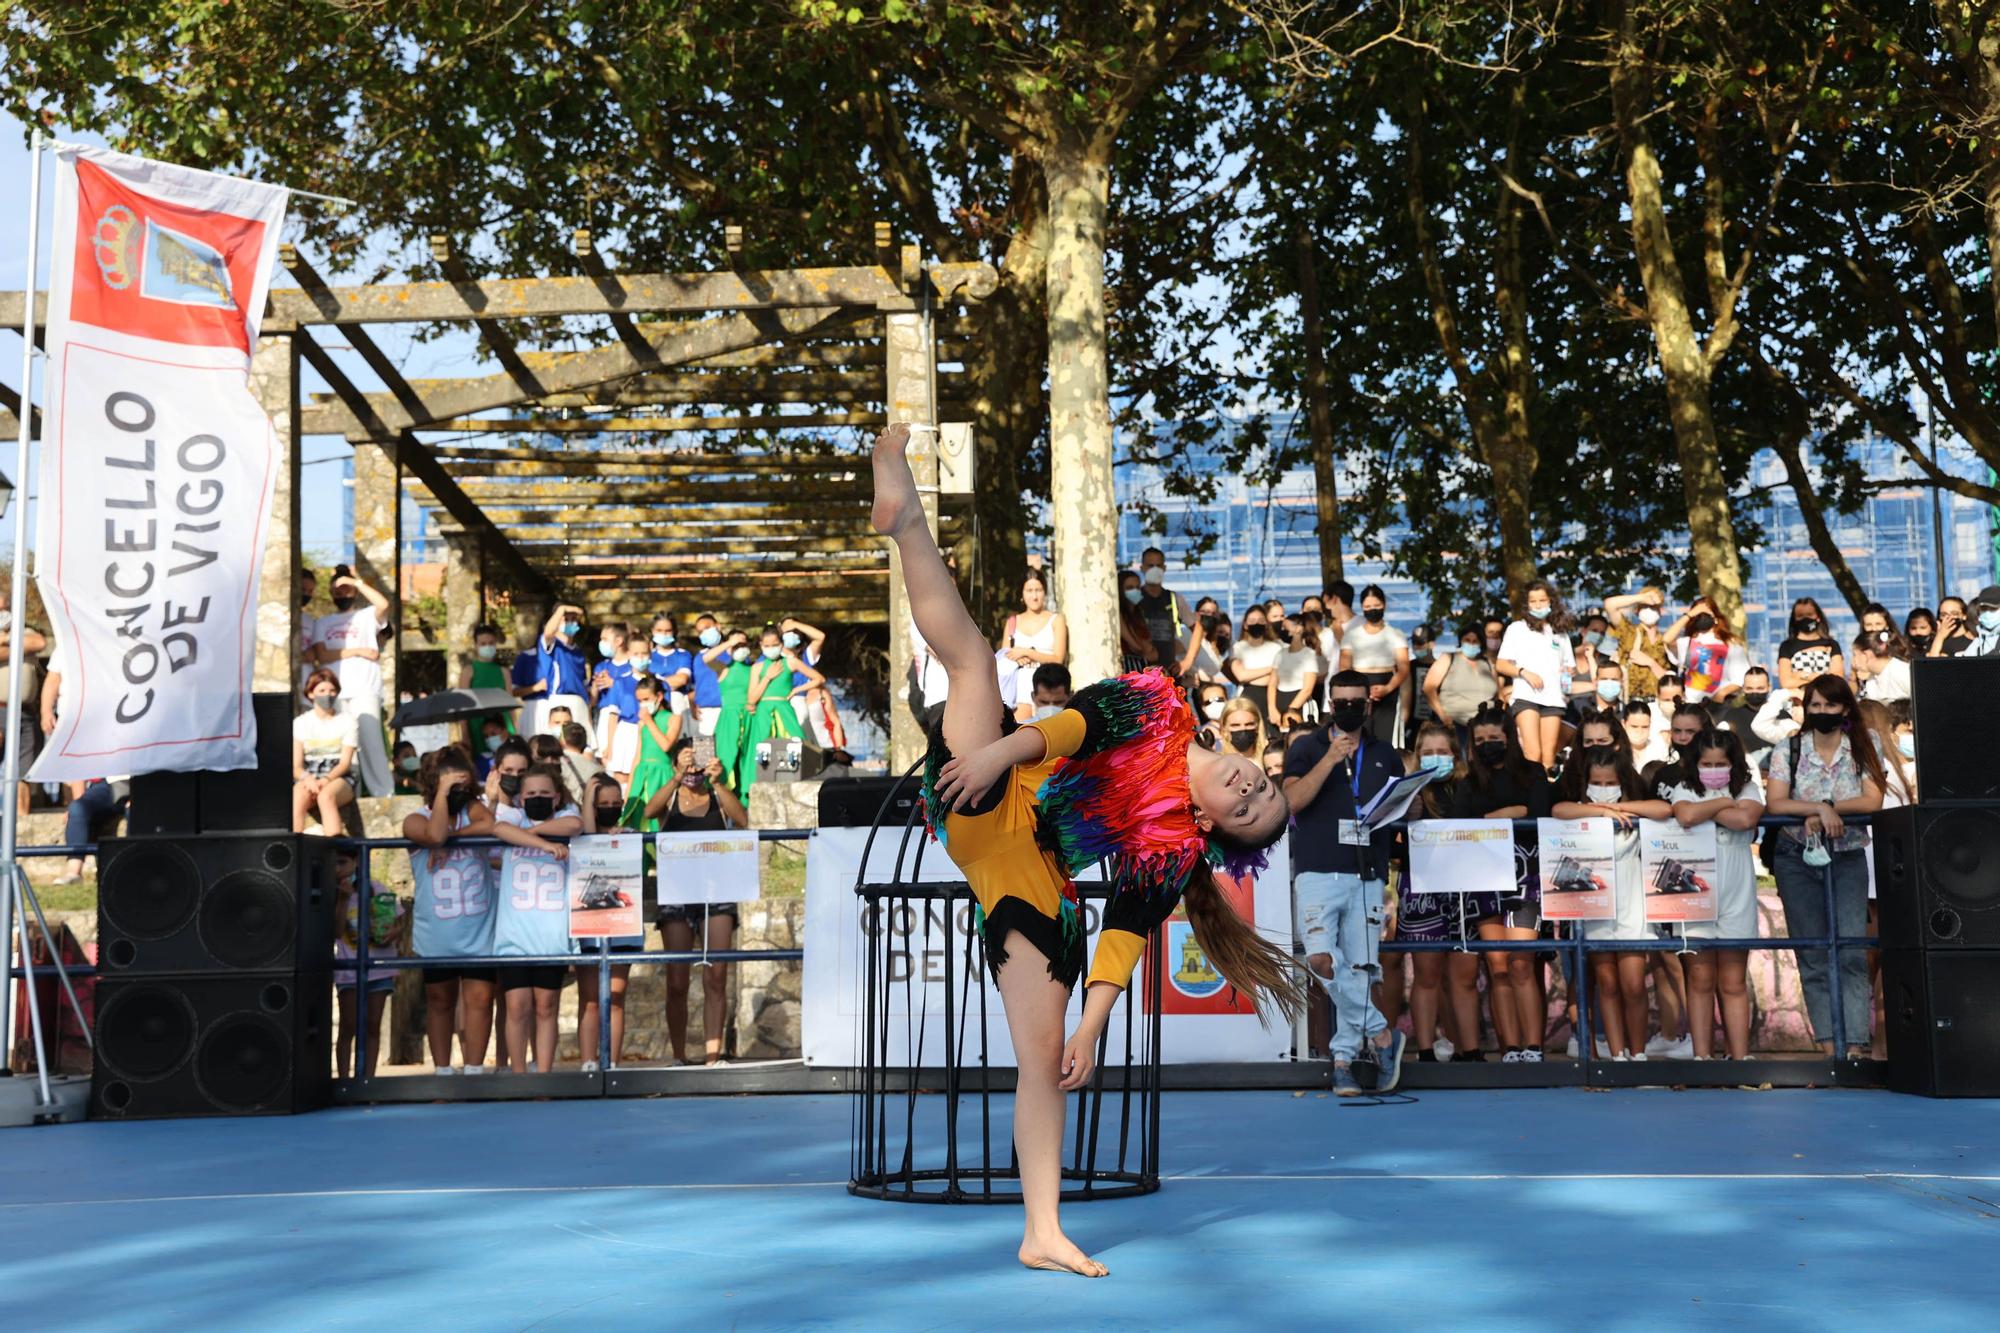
{"type": "Point", "coordinates": [1354, 833]}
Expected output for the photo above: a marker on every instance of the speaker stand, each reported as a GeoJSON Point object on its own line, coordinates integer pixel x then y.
{"type": "Point", "coordinates": [48, 1107]}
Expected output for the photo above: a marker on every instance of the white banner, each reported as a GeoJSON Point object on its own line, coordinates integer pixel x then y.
{"type": "Point", "coordinates": [1462, 856]}
{"type": "Point", "coordinates": [707, 868]}
{"type": "Point", "coordinates": [157, 464]}
{"type": "Point", "coordinates": [1198, 1023]}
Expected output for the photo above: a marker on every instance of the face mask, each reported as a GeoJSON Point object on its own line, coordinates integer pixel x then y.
{"type": "Point", "coordinates": [1906, 744]}
{"type": "Point", "coordinates": [1439, 764]}
{"type": "Point", "coordinates": [740, 654]}
{"type": "Point", "coordinates": [1255, 631]}
{"type": "Point", "coordinates": [1491, 752]}
{"type": "Point", "coordinates": [1806, 626]}
{"type": "Point", "coordinates": [1540, 612]}
{"type": "Point", "coordinates": [1493, 645]}
{"type": "Point", "coordinates": [1648, 616]}
{"type": "Point", "coordinates": [649, 705]}
{"type": "Point", "coordinates": [1989, 621]}
{"type": "Point", "coordinates": [1350, 715]}
{"type": "Point", "coordinates": [409, 763]}
{"type": "Point", "coordinates": [1132, 595]}
{"type": "Point", "coordinates": [487, 651]}
{"type": "Point", "coordinates": [1825, 723]}
{"type": "Point", "coordinates": [772, 652]}
{"type": "Point", "coordinates": [607, 815]}
{"type": "Point", "coordinates": [569, 629]}
{"type": "Point", "coordinates": [1599, 795]}
{"type": "Point", "coordinates": [1242, 738]}
{"type": "Point", "coordinates": [663, 640]}
{"type": "Point", "coordinates": [1373, 614]}
{"type": "Point", "coordinates": [639, 669]}
{"type": "Point", "coordinates": [1471, 650]}
{"type": "Point", "coordinates": [510, 784]}
{"type": "Point", "coordinates": [1154, 576]}
{"type": "Point", "coordinates": [342, 603]}
{"type": "Point", "coordinates": [1609, 690]}
{"type": "Point", "coordinates": [710, 637]}
{"type": "Point", "coordinates": [1714, 779]}
{"type": "Point", "coordinates": [1043, 712]}
{"type": "Point", "coordinates": [325, 702]}
{"type": "Point", "coordinates": [538, 808]}
{"type": "Point", "coordinates": [792, 640]}
{"type": "Point", "coordinates": [1756, 701]}
{"type": "Point", "coordinates": [695, 781]}
{"type": "Point", "coordinates": [1213, 710]}
{"type": "Point", "coordinates": [1701, 624]}
{"type": "Point", "coordinates": [606, 648]}
{"type": "Point", "coordinates": [1594, 639]}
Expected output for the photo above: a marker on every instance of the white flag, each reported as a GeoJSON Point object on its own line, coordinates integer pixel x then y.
{"type": "Point", "coordinates": [157, 464]}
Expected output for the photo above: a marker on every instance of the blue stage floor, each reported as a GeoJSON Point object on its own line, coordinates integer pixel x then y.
{"type": "Point", "coordinates": [1494, 1210]}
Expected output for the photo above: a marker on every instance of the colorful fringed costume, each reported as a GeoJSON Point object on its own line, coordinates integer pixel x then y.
{"type": "Point", "coordinates": [1113, 786]}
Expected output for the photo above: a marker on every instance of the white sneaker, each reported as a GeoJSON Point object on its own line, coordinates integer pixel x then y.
{"type": "Point", "coordinates": [1571, 1049]}
{"type": "Point", "coordinates": [445, 1069]}
{"type": "Point", "coordinates": [1511, 1058]}
{"type": "Point", "coordinates": [1532, 1056]}
{"type": "Point", "coordinates": [1443, 1049]}
{"type": "Point", "coordinates": [589, 1067]}
{"type": "Point", "coordinates": [477, 1069]}
{"type": "Point", "coordinates": [1639, 1055]}
{"type": "Point", "coordinates": [1621, 1058]}
{"type": "Point", "coordinates": [1665, 1048]}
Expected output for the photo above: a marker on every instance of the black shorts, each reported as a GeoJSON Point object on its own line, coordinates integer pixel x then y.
{"type": "Point", "coordinates": [540, 978]}
{"type": "Point", "coordinates": [1520, 706]}
{"type": "Point", "coordinates": [693, 915]}
{"type": "Point", "coordinates": [440, 976]}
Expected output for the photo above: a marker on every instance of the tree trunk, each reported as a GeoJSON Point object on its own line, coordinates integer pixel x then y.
{"type": "Point", "coordinates": [1082, 501]}
{"type": "Point", "coordinates": [1683, 360]}
{"type": "Point", "coordinates": [1319, 416]}
{"type": "Point", "coordinates": [1511, 454]}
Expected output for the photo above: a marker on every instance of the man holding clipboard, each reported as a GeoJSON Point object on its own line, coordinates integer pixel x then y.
{"type": "Point", "coordinates": [1332, 776]}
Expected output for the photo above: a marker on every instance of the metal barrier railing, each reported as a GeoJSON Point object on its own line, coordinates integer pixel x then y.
{"type": "Point", "coordinates": [1577, 949]}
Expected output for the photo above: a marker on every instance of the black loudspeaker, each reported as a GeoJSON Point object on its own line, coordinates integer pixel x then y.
{"type": "Point", "coordinates": [1941, 1016]}
{"type": "Point", "coordinates": [245, 1044]}
{"type": "Point", "coordinates": [251, 800]}
{"type": "Point", "coordinates": [855, 802]}
{"type": "Point", "coordinates": [1937, 875]}
{"type": "Point", "coordinates": [214, 904]}
{"type": "Point", "coordinates": [1958, 733]}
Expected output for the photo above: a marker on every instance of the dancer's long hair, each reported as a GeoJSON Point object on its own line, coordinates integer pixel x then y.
{"type": "Point", "coordinates": [1248, 962]}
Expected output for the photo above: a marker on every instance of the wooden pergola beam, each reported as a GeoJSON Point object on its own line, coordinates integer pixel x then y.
{"type": "Point", "coordinates": [835, 518]}
{"type": "Point", "coordinates": [511, 490]}
{"type": "Point", "coordinates": [652, 425]}
{"type": "Point", "coordinates": [498, 341]}
{"type": "Point", "coordinates": [662, 459]}
{"type": "Point", "coordinates": [681, 539]}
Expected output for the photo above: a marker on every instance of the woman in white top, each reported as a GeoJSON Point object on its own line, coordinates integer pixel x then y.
{"type": "Point", "coordinates": [1888, 673]}
{"type": "Point", "coordinates": [1380, 653]}
{"type": "Point", "coordinates": [1298, 674]}
{"type": "Point", "coordinates": [1033, 635]}
{"type": "Point", "coordinates": [1722, 790]}
{"type": "Point", "coordinates": [323, 743]}
{"type": "Point", "coordinates": [1253, 662]}
{"type": "Point", "coordinates": [1535, 654]}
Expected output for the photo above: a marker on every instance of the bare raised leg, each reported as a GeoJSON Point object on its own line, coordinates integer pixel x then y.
{"type": "Point", "coordinates": [972, 708]}
{"type": "Point", "coordinates": [1035, 1002]}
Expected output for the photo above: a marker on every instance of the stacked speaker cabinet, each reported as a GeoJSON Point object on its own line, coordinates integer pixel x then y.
{"type": "Point", "coordinates": [214, 948]}
{"type": "Point", "coordinates": [1937, 872]}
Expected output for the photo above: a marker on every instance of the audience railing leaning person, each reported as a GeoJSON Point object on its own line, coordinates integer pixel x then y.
{"type": "Point", "coordinates": [323, 749]}
{"type": "Point", "coordinates": [532, 916]}
{"type": "Point", "coordinates": [697, 800]}
{"type": "Point", "coordinates": [1724, 793]}
{"type": "Point", "coordinates": [1435, 918]}
{"type": "Point", "coordinates": [452, 912]}
{"type": "Point", "coordinates": [1500, 784]}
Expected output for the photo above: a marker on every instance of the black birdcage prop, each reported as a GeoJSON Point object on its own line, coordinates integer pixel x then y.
{"type": "Point", "coordinates": [932, 1112]}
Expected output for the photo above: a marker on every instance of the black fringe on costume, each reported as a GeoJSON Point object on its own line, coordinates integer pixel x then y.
{"type": "Point", "coordinates": [1063, 948]}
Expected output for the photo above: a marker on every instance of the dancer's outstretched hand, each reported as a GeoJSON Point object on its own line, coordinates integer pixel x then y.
{"type": "Point", "coordinates": [967, 778]}
{"type": "Point", "coordinates": [1079, 1060]}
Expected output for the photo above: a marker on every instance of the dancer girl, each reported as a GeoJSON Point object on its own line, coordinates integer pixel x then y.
{"type": "Point", "coordinates": [1116, 775]}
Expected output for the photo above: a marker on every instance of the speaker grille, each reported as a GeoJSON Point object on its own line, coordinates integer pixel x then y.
{"type": "Point", "coordinates": [146, 1032]}
{"type": "Point", "coordinates": [249, 919]}
{"type": "Point", "coordinates": [244, 1063]}
{"type": "Point", "coordinates": [1961, 852]}
{"type": "Point", "coordinates": [150, 890]}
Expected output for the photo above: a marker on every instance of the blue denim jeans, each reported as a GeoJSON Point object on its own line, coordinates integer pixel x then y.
{"type": "Point", "coordinates": [1341, 915]}
{"type": "Point", "coordinates": [1803, 890]}
{"type": "Point", "coordinates": [98, 800]}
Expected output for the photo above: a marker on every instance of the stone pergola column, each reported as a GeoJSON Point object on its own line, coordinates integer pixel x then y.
{"type": "Point", "coordinates": [274, 378]}
{"type": "Point", "coordinates": [378, 543]}
{"type": "Point", "coordinates": [910, 347]}
{"type": "Point", "coordinates": [464, 600]}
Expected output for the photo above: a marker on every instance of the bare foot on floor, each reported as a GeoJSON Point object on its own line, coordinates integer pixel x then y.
{"type": "Point", "coordinates": [896, 498]}
{"type": "Point", "coordinates": [1060, 1256]}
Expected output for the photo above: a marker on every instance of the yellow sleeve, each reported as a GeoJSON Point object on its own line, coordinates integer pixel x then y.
{"type": "Point", "coordinates": [1117, 954]}
{"type": "Point", "coordinates": [1062, 735]}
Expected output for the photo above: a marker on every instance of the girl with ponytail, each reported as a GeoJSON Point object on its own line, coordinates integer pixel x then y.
{"type": "Point", "coordinates": [1116, 777]}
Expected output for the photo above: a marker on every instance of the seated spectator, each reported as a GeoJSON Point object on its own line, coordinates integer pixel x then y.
{"type": "Point", "coordinates": [1884, 660]}
{"type": "Point", "coordinates": [101, 798]}
{"type": "Point", "coordinates": [1051, 691]}
{"type": "Point", "coordinates": [324, 741]}
{"type": "Point", "coordinates": [579, 765]}
{"type": "Point", "coordinates": [603, 807]}
{"type": "Point", "coordinates": [388, 935]}
{"type": "Point", "coordinates": [698, 799]}
{"type": "Point", "coordinates": [405, 761]}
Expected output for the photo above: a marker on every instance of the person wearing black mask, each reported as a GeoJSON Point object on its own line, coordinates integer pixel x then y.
{"type": "Point", "coordinates": [603, 802]}
{"type": "Point", "coordinates": [1380, 654]}
{"type": "Point", "coordinates": [1501, 784]}
{"type": "Point", "coordinates": [1952, 636]}
{"type": "Point", "coordinates": [452, 912]}
{"type": "Point", "coordinates": [531, 911]}
{"type": "Point", "coordinates": [503, 781]}
{"type": "Point", "coordinates": [1241, 727]}
{"type": "Point", "coordinates": [1342, 869]}
{"type": "Point", "coordinates": [1739, 713]}
{"type": "Point", "coordinates": [1808, 650]}
{"type": "Point", "coordinates": [1253, 662]}
{"type": "Point", "coordinates": [697, 801]}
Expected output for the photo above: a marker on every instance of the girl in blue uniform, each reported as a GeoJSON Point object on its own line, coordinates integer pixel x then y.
{"type": "Point", "coordinates": [453, 909]}
{"type": "Point", "coordinates": [532, 918]}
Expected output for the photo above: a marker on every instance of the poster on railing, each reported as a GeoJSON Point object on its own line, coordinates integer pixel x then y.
{"type": "Point", "coordinates": [1677, 866]}
{"type": "Point", "coordinates": [1462, 856]}
{"type": "Point", "coordinates": [699, 867]}
{"type": "Point", "coordinates": [918, 945]}
{"type": "Point", "coordinates": [607, 886]}
{"type": "Point", "coordinates": [1578, 869]}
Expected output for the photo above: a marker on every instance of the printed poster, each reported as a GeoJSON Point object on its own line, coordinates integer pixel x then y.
{"type": "Point", "coordinates": [607, 886]}
{"type": "Point", "coordinates": [1579, 875]}
{"type": "Point", "coordinates": [1677, 866]}
{"type": "Point", "coordinates": [1462, 856]}
{"type": "Point", "coordinates": [718, 867]}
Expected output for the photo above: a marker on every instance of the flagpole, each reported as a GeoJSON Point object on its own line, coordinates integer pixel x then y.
{"type": "Point", "coordinates": [10, 798]}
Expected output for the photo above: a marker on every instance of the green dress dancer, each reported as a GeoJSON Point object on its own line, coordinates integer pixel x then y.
{"type": "Point", "coordinates": [489, 676]}
{"type": "Point", "coordinates": [653, 773]}
{"type": "Point", "coordinates": [732, 722]}
{"type": "Point", "coordinates": [773, 716]}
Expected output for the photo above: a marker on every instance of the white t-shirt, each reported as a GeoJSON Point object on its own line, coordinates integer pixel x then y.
{"type": "Point", "coordinates": [360, 677]}
{"type": "Point", "coordinates": [1294, 664]}
{"type": "Point", "coordinates": [1889, 684]}
{"type": "Point", "coordinates": [324, 735]}
{"type": "Point", "coordinates": [1549, 655]}
{"type": "Point", "coordinates": [1374, 652]}
{"type": "Point", "coordinates": [1250, 656]}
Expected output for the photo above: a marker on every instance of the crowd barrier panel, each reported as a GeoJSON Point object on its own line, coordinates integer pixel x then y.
{"type": "Point", "coordinates": [1576, 948]}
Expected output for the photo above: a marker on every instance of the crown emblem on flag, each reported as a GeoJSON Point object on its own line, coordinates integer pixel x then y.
{"type": "Point", "coordinates": [114, 245]}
